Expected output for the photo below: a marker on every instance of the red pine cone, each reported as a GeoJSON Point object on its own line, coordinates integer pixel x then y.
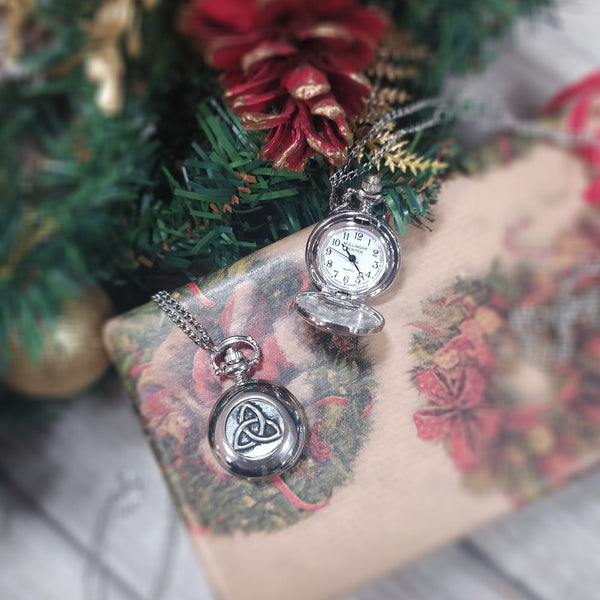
{"type": "Point", "coordinates": [292, 67]}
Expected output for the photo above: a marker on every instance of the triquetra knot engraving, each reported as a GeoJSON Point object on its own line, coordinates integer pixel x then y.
{"type": "Point", "coordinates": [254, 428]}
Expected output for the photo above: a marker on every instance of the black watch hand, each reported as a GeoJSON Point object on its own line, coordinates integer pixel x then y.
{"type": "Point", "coordinates": [351, 258]}
{"type": "Point", "coordinates": [341, 253]}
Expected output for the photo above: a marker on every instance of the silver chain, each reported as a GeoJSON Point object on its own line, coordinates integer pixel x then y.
{"type": "Point", "coordinates": [184, 320]}
{"type": "Point", "coordinates": [226, 358]}
{"type": "Point", "coordinates": [445, 110]}
{"type": "Point", "coordinates": [344, 174]}
{"type": "Point", "coordinates": [534, 130]}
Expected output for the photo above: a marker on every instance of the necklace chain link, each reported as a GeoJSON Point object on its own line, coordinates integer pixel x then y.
{"type": "Point", "coordinates": [445, 111]}
{"type": "Point", "coordinates": [184, 320]}
{"type": "Point", "coordinates": [344, 175]}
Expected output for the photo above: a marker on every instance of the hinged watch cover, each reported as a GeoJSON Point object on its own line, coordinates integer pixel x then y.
{"type": "Point", "coordinates": [351, 256]}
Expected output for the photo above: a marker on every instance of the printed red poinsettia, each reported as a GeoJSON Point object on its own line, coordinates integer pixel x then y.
{"type": "Point", "coordinates": [470, 343]}
{"type": "Point", "coordinates": [510, 368]}
{"type": "Point", "coordinates": [291, 67]}
{"type": "Point", "coordinates": [458, 411]}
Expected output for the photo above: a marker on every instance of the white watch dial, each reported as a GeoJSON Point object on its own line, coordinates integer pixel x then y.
{"type": "Point", "coordinates": [352, 258]}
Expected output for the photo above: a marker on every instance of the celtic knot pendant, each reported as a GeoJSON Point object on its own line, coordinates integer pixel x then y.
{"type": "Point", "coordinates": [257, 429]}
{"type": "Point", "coordinates": [254, 428]}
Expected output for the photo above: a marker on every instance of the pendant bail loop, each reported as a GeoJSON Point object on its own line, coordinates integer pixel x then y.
{"type": "Point", "coordinates": [369, 194]}
{"type": "Point", "coordinates": [228, 359]}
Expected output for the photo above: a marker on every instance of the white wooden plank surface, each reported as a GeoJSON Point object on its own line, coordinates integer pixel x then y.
{"type": "Point", "coordinates": [532, 66]}
{"type": "Point", "coordinates": [38, 561]}
{"type": "Point", "coordinates": [553, 545]}
{"type": "Point", "coordinates": [71, 468]}
{"type": "Point", "coordinates": [449, 574]}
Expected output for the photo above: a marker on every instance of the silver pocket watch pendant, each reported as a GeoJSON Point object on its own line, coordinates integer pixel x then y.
{"type": "Point", "coordinates": [257, 429]}
{"type": "Point", "coordinates": [351, 256]}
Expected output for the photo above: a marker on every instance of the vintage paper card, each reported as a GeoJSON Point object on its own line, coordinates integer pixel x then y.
{"type": "Point", "coordinates": [481, 393]}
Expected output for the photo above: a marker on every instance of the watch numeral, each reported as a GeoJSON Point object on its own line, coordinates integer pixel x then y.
{"type": "Point", "coordinates": [328, 251]}
{"type": "Point", "coordinates": [375, 265]}
{"type": "Point", "coordinates": [329, 263]}
{"type": "Point", "coordinates": [335, 273]}
{"type": "Point", "coordinates": [346, 235]}
{"type": "Point", "coordinates": [336, 242]}
{"type": "Point", "coordinates": [358, 235]}
{"type": "Point", "coordinates": [346, 279]}
{"type": "Point", "coordinates": [375, 252]}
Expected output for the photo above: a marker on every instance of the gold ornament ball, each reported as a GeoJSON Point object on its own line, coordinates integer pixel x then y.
{"type": "Point", "coordinates": [72, 357]}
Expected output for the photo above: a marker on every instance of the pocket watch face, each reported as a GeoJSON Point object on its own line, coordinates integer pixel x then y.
{"type": "Point", "coordinates": [352, 257]}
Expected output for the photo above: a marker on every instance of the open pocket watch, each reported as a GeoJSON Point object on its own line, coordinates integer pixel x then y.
{"type": "Point", "coordinates": [351, 256]}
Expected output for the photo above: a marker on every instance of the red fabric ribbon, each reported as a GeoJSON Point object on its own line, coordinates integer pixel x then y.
{"type": "Point", "coordinates": [579, 98]}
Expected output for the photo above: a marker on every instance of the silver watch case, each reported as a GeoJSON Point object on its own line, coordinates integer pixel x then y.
{"type": "Point", "coordinates": [335, 309]}
{"type": "Point", "coordinates": [257, 429]}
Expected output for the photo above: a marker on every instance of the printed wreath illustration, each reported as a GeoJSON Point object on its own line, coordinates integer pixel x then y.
{"type": "Point", "coordinates": [544, 325]}
{"type": "Point", "coordinates": [177, 389]}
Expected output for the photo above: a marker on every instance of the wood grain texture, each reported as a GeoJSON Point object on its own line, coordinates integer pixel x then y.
{"type": "Point", "coordinates": [68, 470]}
{"type": "Point", "coordinates": [451, 573]}
{"type": "Point", "coordinates": [39, 558]}
{"type": "Point", "coordinates": [553, 545]}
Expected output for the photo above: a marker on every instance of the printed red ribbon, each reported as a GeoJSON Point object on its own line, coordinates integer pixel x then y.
{"type": "Point", "coordinates": [579, 97]}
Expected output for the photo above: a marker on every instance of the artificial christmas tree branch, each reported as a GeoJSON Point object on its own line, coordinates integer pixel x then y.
{"type": "Point", "coordinates": [148, 189]}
